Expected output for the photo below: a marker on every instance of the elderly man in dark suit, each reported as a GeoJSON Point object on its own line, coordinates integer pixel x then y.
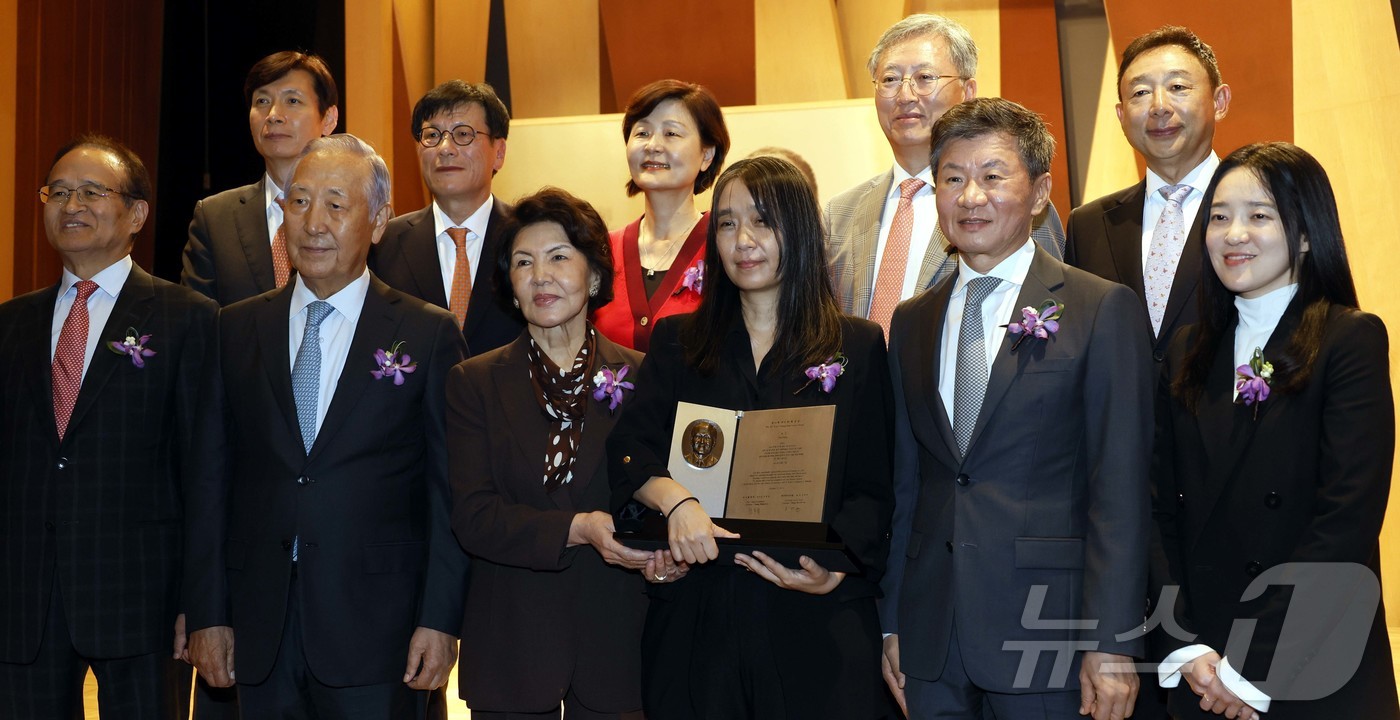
{"type": "Point", "coordinates": [1023, 423]}
{"type": "Point", "coordinates": [95, 447]}
{"type": "Point", "coordinates": [234, 251]}
{"type": "Point", "coordinates": [320, 540]}
{"type": "Point", "coordinates": [444, 253]}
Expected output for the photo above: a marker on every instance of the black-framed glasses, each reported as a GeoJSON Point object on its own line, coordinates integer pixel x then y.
{"type": "Point", "coordinates": [920, 83]}
{"type": "Point", "coordinates": [463, 135]}
{"type": "Point", "coordinates": [84, 194]}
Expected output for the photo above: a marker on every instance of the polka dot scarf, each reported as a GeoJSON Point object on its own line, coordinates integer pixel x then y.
{"type": "Point", "coordinates": [563, 396]}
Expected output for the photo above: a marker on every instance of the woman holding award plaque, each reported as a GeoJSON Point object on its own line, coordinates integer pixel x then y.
{"type": "Point", "coordinates": [554, 603]}
{"type": "Point", "coordinates": [753, 637]}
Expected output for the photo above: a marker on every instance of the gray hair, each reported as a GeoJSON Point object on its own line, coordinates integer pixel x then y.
{"type": "Point", "coordinates": [986, 116]}
{"type": "Point", "coordinates": [961, 47]}
{"type": "Point", "coordinates": [378, 187]}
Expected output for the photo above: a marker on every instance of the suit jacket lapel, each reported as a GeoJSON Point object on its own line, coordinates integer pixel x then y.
{"type": "Point", "coordinates": [377, 328]}
{"type": "Point", "coordinates": [37, 370]}
{"type": "Point", "coordinates": [1188, 274]}
{"type": "Point", "coordinates": [132, 310]}
{"type": "Point", "coordinates": [526, 424]}
{"type": "Point", "coordinates": [598, 425]}
{"type": "Point", "coordinates": [485, 267]}
{"type": "Point", "coordinates": [1123, 228]}
{"type": "Point", "coordinates": [419, 248]}
{"type": "Point", "coordinates": [864, 239]}
{"type": "Point", "coordinates": [938, 261]}
{"type": "Point", "coordinates": [1045, 277]}
{"type": "Point", "coordinates": [271, 331]}
{"type": "Point", "coordinates": [250, 224]}
{"type": "Point", "coordinates": [926, 406]}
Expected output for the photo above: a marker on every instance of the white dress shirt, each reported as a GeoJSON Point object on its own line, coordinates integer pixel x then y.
{"type": "Point", "coordinates": [1154, 203]}
{"type": "Point", "coordinates": [109, 285]}
{"type": "Point", "coordinates": [447, 250]}
{"type": "Point", "coordinates": [337, 330]}
{"type": "Point", "coordinates": [997, 310]}
{"type": "Point", "coordinates": [274, 211]}
{"type": "Point", "coordinates": [925, 221]}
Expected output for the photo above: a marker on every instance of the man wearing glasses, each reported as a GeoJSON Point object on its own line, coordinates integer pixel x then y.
{"type": "Point", "coordinates": [883, 241]}
{"type": "Point", "coordinates": [95, 451]}
{"type": "Point", "coordinates": [445, 253]}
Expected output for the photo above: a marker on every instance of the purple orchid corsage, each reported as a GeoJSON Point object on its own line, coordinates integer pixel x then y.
{"type": "Point", "coordinates": [694, 278]}
{"type": "Point", "coordinates": [609, 384]}
{"type": "Point", "coordinates": [393, 364]}
{"type": "Point", "coordinates": [1252, 381]}
{"type": "Point", "coordinates": [825, 373]}
{"type": "Point", "coordinates": [1042, 323]}
{"type": "Point", "coordinates": [134, 345]}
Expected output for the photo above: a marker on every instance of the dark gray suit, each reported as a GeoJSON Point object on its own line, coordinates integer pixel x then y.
{"type": "Point", "coordinates": [229, 254]}
{"type": "Point", "coordinates": [1051, 494]}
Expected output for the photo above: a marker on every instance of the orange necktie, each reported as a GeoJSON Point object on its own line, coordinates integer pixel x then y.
{"type": "Point", "coordinates": [889, 282]}
{"type": "Point", "coordinates": [461, 277]}
{"type": "Point", "coordinates": [281, 262]}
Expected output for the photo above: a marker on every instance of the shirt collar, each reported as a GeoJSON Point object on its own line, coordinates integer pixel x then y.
{"type": "Point", "coordinates": [900, 175]}
{"type": "Point", "coordinates": [270, 193]}
{"type": "Point", "coordinates": [476, 223]}
{"type": "Point", "coordinates": [1198, 178]}
{"type": "Point", "coordinates": [348, 301]}
{"type": "Point", "coordinates": [110, 280]}
{"type": "Point", "coordinates": [1012, 270]}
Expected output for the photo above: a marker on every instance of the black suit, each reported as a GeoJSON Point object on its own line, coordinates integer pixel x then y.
{"type": "Point", "coordinates": [97, 516]}
{"type": "Point", "coordinates": [542, 620]}
{"type": "Point", "coordinates": [1300, 477]}
{"type": "Point", "coordinates": [229, 254]}
{"type": "Point", "coordinates": [406, 259]}
{"type": "Point", "coordinates": [1104, 237]}
{"type": "Point", "coordinates": [369, 503]}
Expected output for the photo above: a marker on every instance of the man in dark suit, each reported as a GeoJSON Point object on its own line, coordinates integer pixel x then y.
{"type": "Point", "coordinates": [461, 133]}
{"type": "Point", "coordinates": [1170, 97]}
{"type": "Point", "coordinates": [1021, 485]}
{"type": "Point", "coordinates": [233, 251]}
{"type": "Point", "coordinates": [320, 539]}
{"type": "Point", "coordinates": [883, 241]}
{"type": "Point", "coordinates": [95, 450]}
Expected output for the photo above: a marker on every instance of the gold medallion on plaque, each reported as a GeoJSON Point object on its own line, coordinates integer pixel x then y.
{"type": "Point", "coordinates": [702, 444]}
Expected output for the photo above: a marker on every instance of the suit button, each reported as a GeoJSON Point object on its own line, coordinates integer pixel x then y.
{"type": "Point", "coordinates": [948, 545]}
{"type": "Point", "coordinates": [626, 459]}
{"type": "Point", "coordinates": [643, 322]}
{"type": "Point", "coordinates": [1273, 500]}
{"type": "Point", "coordinates": [1180, 500]}
{"type": "Point", "coordinates": [1158, 355]}
{"type": "Point", "coordinates": [304, 480]}
{"type": "Point", "coordinates": [286, 544]}
{"type": "Point", "coordinates": [62, 463]}
{"type": "Point", "coordinates": [1253, 568]}
{"type": "Point", "coordinates": [962, 479]}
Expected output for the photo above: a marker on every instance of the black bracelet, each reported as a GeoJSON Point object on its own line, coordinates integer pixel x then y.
{"type": "Point", "coordinates": [682, 502]}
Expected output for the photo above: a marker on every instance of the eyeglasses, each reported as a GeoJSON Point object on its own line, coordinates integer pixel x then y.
{"type": "Point", "coordinates": [923, 83]}
{"type": "Point", "coordinates": [463, 135]}
{"type": "Point", "coordinates": [84, 194]}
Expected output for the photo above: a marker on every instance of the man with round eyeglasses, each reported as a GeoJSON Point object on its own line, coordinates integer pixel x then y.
{"type": "Point", "coordinates": [444, 254]}
{"type": "Point", "coordinates": [883, 242]}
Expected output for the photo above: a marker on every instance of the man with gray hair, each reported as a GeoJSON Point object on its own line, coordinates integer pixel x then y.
{"type": "Point", "coordinates": [319, 536]}
{"type": "Point", "coordinates": [883, 241]}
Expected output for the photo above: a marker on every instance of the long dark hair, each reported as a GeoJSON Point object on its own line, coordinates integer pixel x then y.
{"type": "Point", "coordinates": [1308, 209]}
{"type": "Point", "coordinates": [809, 320]}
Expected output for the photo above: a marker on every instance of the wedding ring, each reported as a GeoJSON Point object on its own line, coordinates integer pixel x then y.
{"type": "Point", "coordinates": [659, 578]}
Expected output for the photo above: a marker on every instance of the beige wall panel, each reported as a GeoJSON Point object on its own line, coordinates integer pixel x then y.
{"type": "Point", "coordinates": [9, 194]}
{"type": "Point", "coordinates": [554, 57]}
{"type": "Point", "coordinates": [459, 39]}
{"type": "Point", "coordinates": [369, 73]}
{"type": "Point", "coordinates": [1104, 156]}
{"type": "Point", "coordinates": [861, 23]}
{"type": "Point", "coordinates": [797, 52]}
{"type": "Point", "coordinates": [585, 155]}
{"type": "Point", "coordinates": [1350, 120]}
{"type": "Point", "coordinates": [982, 18]}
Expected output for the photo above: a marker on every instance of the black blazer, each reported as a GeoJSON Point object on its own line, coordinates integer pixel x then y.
{"type": "Point", "coordinates": [1051, 496]}
{"type": "Point", "coordinates": [99, 512]}
{"type": "Point", "coordinates": [406, 259]}
{"type": "Point", "coordinates": [1104, 237]}
{"type": "Point", "coordinates": [229, 254]}
{"type": "Point", "coordinates": [1306, 479]}
{"type": "Point", "coordinates": [370, 503]}
{"type": "Point", "coordinates": [541, 619]}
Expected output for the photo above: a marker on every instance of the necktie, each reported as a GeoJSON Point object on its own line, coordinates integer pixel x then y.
{"type": "Point", "coordinates": [306, 373]}
{"type": "Point", "coordinates": [970, 383]}
{"type": "Point", "coordinates": [1163, 254]}
{"type": "Point", "coordinates": [68, 357]}
{"type": "Point", "coordinates": [461, 277]}
{"type": "Point", "coordinates": [889, 281]}
{"type": "Point", "coordinates": [281, 262]}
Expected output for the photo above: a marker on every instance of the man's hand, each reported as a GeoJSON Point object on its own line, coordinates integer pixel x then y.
{"type": "Point", "coordinates": [1108, 686]}
{"type": "Point", "coordinates": [181, 651]}
{"type": "Point", "coordinates": [1201, 675]}
{"type": "Point", "coordinates": [211, 651]}
{"type": "Point", "coordinates": [596, 528]}
{"type": "Point", "coordinates": [431, 655]}
{"type": "Point", "coordinates": [808, 577]}
{"type": "Point", "coordinates": [889, 667]}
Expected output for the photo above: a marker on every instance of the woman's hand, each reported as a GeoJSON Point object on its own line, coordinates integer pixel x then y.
{"type": "Point", "coordinates": [596, 528]}
{"type": "Point", "coordinates": [809, 578]}
{"type": "Point", "coordinates": [662, 568]}
{"type": "Point", "coordinates": [1201, 675]}
{"type": "Point", "coordinates": [692, 533]}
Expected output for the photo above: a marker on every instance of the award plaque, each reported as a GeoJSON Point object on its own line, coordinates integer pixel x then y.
{"type": "Point", "coordinates": [759, 473]}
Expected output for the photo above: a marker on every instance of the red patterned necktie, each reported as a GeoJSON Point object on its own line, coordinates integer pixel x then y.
{"type": "Point", "coordinates": [889, 282]}
{"type": "Point", "coordinates": [68, 357]}
{"type": "Point", "coordinates": [281, 262]}
{"type": "Point", "coordinates": [461, 277]}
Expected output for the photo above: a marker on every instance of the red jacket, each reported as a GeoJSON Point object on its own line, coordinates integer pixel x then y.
{"type": "Point", "coordinates": [629, 318]}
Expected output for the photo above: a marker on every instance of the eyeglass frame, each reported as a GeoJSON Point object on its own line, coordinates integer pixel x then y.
{"type": "Point", "coordinates": [46, 195]}
{"type": "Point", "coordinates": [452, 132]}
{"type": "Point", "coordinates": [909, 80]}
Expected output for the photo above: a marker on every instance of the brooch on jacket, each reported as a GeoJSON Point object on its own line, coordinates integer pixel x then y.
{"type": "Point", "coordinates": [825, 373]}
{"type": "Point", "coordinates": [1252, 381]}
{"type": "Point", "coordinates": [134, 346]}
{"type": "Point", "coordinates": [392, 363]}
{"type": "Point", "coordinates": [609, 384]}
{"type": "Point", "coordinates": [1042, 323]}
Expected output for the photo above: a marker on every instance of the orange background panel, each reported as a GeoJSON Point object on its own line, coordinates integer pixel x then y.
{"type": "Point", "coordinates": [710, 42]}
{"type": "Point", "coordinates": [1030, 50]}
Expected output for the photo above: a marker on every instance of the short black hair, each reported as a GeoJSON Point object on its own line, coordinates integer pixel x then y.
{"type": "Point", "coordinates": [136, 185]}
{"type": "Point", "coordinates": [1170, 35]}
{"type": "Point", "coordinates": [986, 116]}
{"type": "Point", "coordinates": [582, 225]}
{"type": "Point", "coordinates": [276, 66]}
{"type": "Point", "coordinates": [454, 94]}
